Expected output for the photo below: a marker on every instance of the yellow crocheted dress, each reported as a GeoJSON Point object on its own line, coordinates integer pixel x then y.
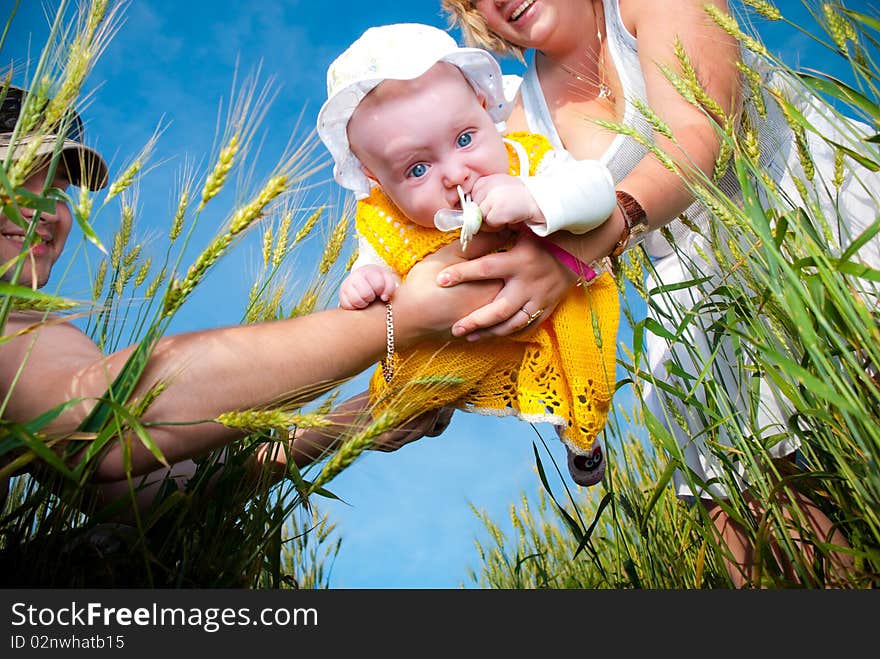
{"type": "Point", "coordinates": [561, 371]}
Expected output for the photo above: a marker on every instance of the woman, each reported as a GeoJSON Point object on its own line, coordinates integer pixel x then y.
{"type": "Point", "coordinates": [595, 59]}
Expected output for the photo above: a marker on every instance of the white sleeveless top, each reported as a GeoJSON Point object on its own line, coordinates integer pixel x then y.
{"type": "Point", "coordinates": [625, 153]}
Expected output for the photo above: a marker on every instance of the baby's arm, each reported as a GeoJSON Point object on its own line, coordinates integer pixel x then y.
{"type": "Point", "coordinates": [565, 194]}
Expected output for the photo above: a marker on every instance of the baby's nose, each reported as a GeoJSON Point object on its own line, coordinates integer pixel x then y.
{"type": "Point", "coordinates": [457, 174]}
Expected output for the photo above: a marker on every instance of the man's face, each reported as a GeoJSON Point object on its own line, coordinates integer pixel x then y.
{"type": "Point", "coordinates": [52, 231]}
{"type": "Point", "coordinates": [421, 138]}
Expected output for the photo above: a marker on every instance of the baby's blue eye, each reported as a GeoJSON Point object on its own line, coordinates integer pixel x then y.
{"type": "Point", "coordinates": [465, 139]}
{"type": "Point", "coordinates": [418, 170]}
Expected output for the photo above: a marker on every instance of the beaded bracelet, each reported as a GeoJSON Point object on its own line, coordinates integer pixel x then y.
{"type": "Point", "coordinates": [390, 360]}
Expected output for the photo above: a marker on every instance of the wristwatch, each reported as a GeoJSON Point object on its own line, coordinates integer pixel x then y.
{"type": "Point", "coordinates": [635, 224]}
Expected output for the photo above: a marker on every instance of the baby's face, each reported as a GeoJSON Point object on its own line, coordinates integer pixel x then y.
{"type": "Point", "coordinates": [421, 138]}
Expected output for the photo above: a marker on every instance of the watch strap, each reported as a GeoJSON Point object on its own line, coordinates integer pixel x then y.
{"type": "Point", "coordinates": [635, 223]}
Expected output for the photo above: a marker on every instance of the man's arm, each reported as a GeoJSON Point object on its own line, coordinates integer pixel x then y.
{"type": "Point", "coordinates": [210, 372]}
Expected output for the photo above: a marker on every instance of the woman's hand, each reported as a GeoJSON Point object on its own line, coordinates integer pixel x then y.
{"type": "Point", "coordinates": [534, 281]}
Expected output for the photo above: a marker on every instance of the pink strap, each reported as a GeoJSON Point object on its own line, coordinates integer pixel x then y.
{"type": "Point", "coordinates": [573, 263]}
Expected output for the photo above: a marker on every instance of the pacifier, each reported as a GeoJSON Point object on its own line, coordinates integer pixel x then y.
{"type": "Point", "coordinates": [469, 218]}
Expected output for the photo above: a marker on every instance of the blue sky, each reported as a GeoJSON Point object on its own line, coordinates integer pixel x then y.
{"type": "Point", "coordinates": [406, 521]}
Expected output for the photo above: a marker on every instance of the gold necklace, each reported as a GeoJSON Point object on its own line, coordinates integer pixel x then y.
{"type": "Point", "coordinates": [604, 89]}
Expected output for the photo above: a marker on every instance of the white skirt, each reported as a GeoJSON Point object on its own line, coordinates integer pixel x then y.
{"type": "Point", "coordinates": [706, 453]}
{"type": "Point", "coordinates": [685, 422]}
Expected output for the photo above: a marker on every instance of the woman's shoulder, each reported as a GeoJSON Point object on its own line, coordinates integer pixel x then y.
{"type": "Point", "coordinates": [628, 11]}
{"type": "Point", "coordinates": [634, 13]}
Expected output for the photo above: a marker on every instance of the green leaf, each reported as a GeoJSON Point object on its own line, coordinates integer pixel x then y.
{"type": "Point", "coordinates": [88, 232]}
{"type": "Point", "coordinates": [25, 292]}
{"type": "Point", "coordinates": [630, 568]}
{"type": "Point", "coordinates": [858, 270]}
{"type": "Point", "coordinates": [862, 239]}
{"type": "Point", "coordinates": [788, 369]}
{"type": "Point", "coordinates": [39, 448]}
{"type": "Point", "coordinates": [133, 424]}
{"type": "Point", "coordinates": [657, 329]}
{"type": "Point", "coordinates": [124, 384]}
{"type": "Point", "coordinates": [28, 199]}
{"type": "Point", "coordinates": [589, 532]}
{"type": "Point", "coordinates": [327, 494]}
{"type": "Point", "coordinates": [835, 88]}
{"type": "Point", "coordinates": [669, 288]}
{"type": "Point", "coordinates": [84, 226]}
{"type": "Point", "coordinates": [658, 432]}
{"type": "Point", "coordinates": [864, 161]}
{"type": "Point", "coordinates": [38, 423]}
{"type": "Point", "coordinates": [870, 21]}
{"type": "Point", "coordinates": [781, 229]}
{"type": "Point", "coordinates": [658, 490]}
{"type": "Point", "coordinates": [752, 203]}
{"type": "Point", "coordinates": [569, 520]}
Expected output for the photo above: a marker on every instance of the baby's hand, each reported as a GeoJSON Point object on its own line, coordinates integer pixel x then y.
{"type": "Point", "coordinates": [365, 284]}
{"type": "Point", "coordinates": [505, 200]}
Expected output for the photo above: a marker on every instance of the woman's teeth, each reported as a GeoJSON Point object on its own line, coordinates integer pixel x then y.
{"type": "Point", "coordinates": [519, 10]}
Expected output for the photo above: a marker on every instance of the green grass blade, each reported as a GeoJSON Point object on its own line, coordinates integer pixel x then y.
{"type": "Point", "coordinates": [870, 21]}
{"type": "Point", "coordinates": [569, 520]}
{"type": "Point", "coordinates": [585, 538]}
{"type": "Point", "coordinates": [826, 84]}
{"type": "Point", "coordinates": [39, 448]}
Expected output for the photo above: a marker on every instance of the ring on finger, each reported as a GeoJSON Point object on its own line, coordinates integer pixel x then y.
{"type": "Point", "coordinates": [532, 316]}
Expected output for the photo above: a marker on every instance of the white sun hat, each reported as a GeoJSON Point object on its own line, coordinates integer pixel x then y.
{"type": "Point", "coordinates": [401, 51]}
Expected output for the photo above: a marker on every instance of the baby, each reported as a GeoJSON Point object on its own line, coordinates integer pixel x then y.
{"type": "Point", "coordinates": [412, 122]}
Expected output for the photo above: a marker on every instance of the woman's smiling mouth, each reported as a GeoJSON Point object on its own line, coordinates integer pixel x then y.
{"type": "Point", "coordinates": [519, 10]}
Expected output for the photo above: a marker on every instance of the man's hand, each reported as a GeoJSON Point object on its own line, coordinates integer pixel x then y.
{"type": "Point", "coordinates": [428, 424]}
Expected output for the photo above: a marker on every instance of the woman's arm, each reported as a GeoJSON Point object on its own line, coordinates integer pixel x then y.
{"type": "Point", "coordinates": [661, 193]}
{"type": "Point", "coordinates": [713, 54]}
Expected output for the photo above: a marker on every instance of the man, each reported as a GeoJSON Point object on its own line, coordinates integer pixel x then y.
{"type": "Point", "coordinates": [44, 365]}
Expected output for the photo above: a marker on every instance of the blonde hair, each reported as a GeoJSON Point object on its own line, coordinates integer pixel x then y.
{"type": "Point", "coordinates": [464, 15]}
